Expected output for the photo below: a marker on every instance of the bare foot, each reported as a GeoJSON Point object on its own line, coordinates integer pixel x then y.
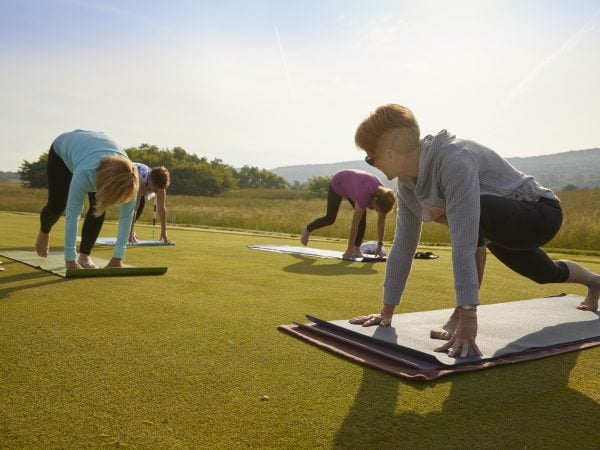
{"type": "Point", "coordinates": [86, 262]}
{"type": "Point", "coordinates": [304, 236]}
{"type": "Point", "coordinates": [41, 244]}
{"type": "Point", "coordinates": [446, 331]}
{"type": "Point", "coordinates": [581, 275]}
{"type": "Point", "coordinates": [590, 303]}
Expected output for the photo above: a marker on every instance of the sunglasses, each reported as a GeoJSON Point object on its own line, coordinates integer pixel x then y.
{"type": "Point", "coordinates": [370, 160]}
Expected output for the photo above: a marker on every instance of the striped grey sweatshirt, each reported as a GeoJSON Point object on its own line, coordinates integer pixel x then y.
{"type": "Point", "coordinates": [453, 174]}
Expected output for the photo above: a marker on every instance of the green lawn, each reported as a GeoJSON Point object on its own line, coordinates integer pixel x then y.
{"type": "Point", "coordinates": [183, 360]}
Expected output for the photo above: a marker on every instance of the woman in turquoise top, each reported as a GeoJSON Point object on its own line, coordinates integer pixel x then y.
{"type": "Point", "coordinates": [87, 162]}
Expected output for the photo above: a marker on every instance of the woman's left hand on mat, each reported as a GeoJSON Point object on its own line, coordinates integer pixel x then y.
{"type": "Point", "coordinates": [463, 338]}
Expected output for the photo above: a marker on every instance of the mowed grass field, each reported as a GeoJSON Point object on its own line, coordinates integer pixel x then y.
{"type": "Point", "coordinates": [187, 360]}
{"type": "Point", "coordinates": [287, 211]}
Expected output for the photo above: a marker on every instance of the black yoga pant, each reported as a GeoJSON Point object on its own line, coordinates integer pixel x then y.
{"type": "Point", "coordinates": [140, 208]}
{"type": "Point", "coordinates": [517, 229]}
{"type": "Point", "coordinates": [59, 181]}
{"type": "Point", "coordinates": [334, 201]}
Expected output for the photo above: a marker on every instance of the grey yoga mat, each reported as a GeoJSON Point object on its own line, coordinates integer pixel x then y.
{"type": "Point", "coordinates": [309, 251]}
{"type": "Point", "coordinates": [508, 332]}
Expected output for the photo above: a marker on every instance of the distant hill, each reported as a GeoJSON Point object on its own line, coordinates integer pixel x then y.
{"type": "Point", "coordinates": [304, 172]}
{"type": "Point", "coordinates": [580, 168]}
{"type": "Point", "coordinates": [9, 176]}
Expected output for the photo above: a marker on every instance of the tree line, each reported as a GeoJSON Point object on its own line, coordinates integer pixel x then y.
{"type": "Point", "coordinates": [190, 174]}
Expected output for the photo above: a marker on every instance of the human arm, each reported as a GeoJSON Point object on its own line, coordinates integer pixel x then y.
{"type": "Point", "coordinates": [466, 328]}
{"type": "Point", "coordinates": [399, 263]}
{"type": "Point", "coordinates": [78, 190]}
{"type": "Point", "coordinates": [161, 210]}
{"type": "Point", "coordinates": [459, 180]}
{"type": "Point", "coordinates": [132, 236]}
{"type": "Point", "coordinates": [480, 258]}
{"type": "Point", "coordinates": [380, 233]}
{"type": "Point", "coordinates": [351, 251]}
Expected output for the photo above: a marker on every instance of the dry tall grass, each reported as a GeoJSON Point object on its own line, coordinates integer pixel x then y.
{"type": "Point", "coordinates": [288, 211]}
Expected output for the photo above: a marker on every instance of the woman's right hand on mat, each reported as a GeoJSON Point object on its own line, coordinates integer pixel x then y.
{"type": "Point", "coordinates": [133, 238]}
{"type": "Point", "coordinates": [372, 319]}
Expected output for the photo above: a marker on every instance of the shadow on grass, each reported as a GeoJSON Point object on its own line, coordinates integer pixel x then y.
{"type": "Point", "coordinates": [27, 280]}
{"type": "Point", "coordinates": [529, 405]}
{"type": "Point", "coordinates": [306, 266]}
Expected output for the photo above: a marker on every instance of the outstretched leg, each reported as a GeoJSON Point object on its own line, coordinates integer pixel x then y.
{"type": "Point", "coordinates": [42, 244]}
{"type": "Point", "coordinates": [333, 206]}
{"type": "Point", "coordinates": [89, 233]}
{"type": "Point", "coordinates": [59, 181]}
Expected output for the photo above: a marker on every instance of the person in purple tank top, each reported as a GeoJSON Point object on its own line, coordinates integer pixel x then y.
{"type": "Point", "coordinates": [153, 184]}
{"type": "Point", "coordinates": [364, 191]}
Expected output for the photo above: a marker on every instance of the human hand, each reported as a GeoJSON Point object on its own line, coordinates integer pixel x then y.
{"type": "Point", "coordinates": [379, 251]}
{"type": "Point", "coordinates": [372, 319]}
{"type": "Point", "coordinates": [349, 255]}
{"type": "Point", "coordinates": [165, 239]}
{"type": "Point", "coordinates": [464, 337]}
{"type": "Point", "coordinates": [133, 238]}
{"type": "Point", "coordinates": [114, 262]}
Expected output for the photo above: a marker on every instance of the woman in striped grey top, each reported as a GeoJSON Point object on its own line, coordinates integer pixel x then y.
{"type": "Point", "coordinates": [485, 202]}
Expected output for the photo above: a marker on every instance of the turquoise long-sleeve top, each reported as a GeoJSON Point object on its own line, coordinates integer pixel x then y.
{"type": "Point", "coordinates": [82, 152]}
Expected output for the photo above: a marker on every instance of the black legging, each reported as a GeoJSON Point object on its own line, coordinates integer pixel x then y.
{"type": "Point", "coordinates": [140, 208]}
{"type": "Point", "coordinates": [333, 206]}
{"type": "Point", "coordinates": [517, 229]}
{"type": "Point", "coordinates": [59, 181]}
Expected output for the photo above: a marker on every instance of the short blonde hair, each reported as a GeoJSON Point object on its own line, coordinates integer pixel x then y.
{"type": "Point", "coordinates": [383, 199]}
{"type": "Point", "coordinates": [117, 182]}
{"type": "Point", "coordinates": [382, 120]}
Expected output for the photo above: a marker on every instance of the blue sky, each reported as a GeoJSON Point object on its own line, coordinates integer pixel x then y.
{"type": "Point", "coordinates": [272, 83]}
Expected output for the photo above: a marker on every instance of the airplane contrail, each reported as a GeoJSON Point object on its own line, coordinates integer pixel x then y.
{"type": "Point", "coordinates": [285, 66]}
{"type": "Point", "coordinates": [568, 45]}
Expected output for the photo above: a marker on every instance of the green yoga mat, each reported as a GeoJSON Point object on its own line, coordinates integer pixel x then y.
{"type": "Point", "coordinates": [55, 264]}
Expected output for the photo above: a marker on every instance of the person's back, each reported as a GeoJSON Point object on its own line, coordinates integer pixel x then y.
{"type": "Point", "coordinates": [356, 185]}
{"type": "Point", "coordinates": [82, 149]}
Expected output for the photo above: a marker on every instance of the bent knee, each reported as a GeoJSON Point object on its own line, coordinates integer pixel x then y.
{"type": "Point", "coordinates": [559, 275]}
